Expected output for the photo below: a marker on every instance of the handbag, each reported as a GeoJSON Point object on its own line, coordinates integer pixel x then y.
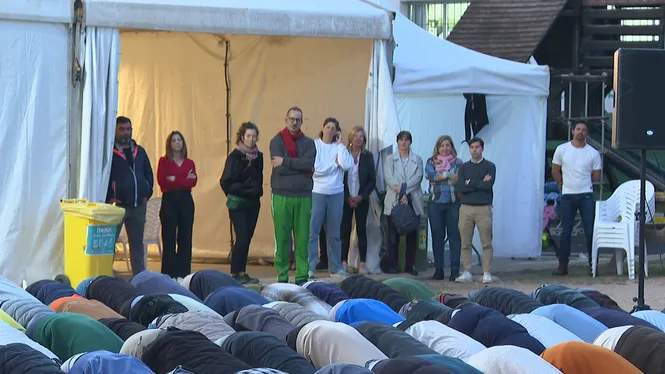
{"type": "Point", "coordinates": [403, 216]}
{"type": "Point", "coordinates": [234, 202]}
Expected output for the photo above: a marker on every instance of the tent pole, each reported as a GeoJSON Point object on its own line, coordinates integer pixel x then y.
{"type": "Point", "coordinates": [227, 81]}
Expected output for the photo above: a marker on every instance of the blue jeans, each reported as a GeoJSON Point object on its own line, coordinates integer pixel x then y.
{"type": "Point", "coordinates": [569, 204]}
{"type": "Point", "coordinates": [326, 209]}
{"type": "Point", "coordinates": [443, 221]}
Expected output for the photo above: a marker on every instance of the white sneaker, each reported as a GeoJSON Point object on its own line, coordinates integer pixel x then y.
{"type": "Point", "coordinates": [487, 278]}
{"type": "Point", "coordinates": [339, 274]}
{"type": "Point", "coordinates": [465, 278]}
{"type": "Point", "coordinates": [311, 275]}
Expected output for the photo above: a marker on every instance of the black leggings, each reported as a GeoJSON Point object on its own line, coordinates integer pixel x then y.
{"type": "Point", "coordinates": [177, 216]}
{"type": "Point", "coordinates": [244, 224]}
{"type": "Point", "coordinates": [361, 212]}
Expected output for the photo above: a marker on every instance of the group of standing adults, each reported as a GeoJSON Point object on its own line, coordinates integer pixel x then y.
{"type": "Point", "coordinates": [315, 184]}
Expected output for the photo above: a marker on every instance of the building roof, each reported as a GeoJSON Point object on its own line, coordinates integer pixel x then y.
{"type": "Point", "coordinates": [509, 29]}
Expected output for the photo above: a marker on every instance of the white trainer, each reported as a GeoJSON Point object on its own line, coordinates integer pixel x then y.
{"type": "Point", "coordinates": [466, 277]}
{"type": "Point", "coordinates": [487, 278]}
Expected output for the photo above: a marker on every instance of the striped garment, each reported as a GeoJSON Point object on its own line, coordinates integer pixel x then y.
{"type": "Point", "coordinates": [441, 191]}
{"type": "Point", "coordinates": [295, 294]}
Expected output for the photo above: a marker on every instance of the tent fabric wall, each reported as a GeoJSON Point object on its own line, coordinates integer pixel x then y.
{"type": "Point", "coordinates": [514, 142]}
{"type": "Point", "coordinates": [52, 11]}
{"type": "Point", "coordinates": [34, 76]}
{"type": "Point", "coordinates": [100, 63]}
{"type": "Point", "coordinates": [320, 18]}
{"type": "Point", "coordinates": [162, 91]}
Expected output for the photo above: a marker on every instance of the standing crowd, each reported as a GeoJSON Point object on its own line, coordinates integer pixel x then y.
{"type": "Point", "coordinates": [320, 186]}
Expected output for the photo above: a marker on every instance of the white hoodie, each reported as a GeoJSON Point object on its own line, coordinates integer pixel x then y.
{"type": "Point", "coordinates": [328, 175]}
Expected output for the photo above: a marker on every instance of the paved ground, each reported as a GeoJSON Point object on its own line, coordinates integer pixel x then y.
{"type": "Point", "coordinates": [524, 275]}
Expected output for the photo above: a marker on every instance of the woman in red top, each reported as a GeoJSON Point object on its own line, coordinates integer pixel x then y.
{"type": "Point", "coordinates": [176, 175]}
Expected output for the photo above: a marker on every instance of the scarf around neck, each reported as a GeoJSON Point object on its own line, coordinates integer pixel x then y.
{"type": "Point", "coordinates": [444, 163]}
{"type": "Point", "coordinates": [290, 141]}
{"type": "Point", "coordinates": [250, 153]}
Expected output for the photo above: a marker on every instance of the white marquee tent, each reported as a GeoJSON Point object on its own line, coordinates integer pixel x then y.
{"type": "Point", "coordinates": [430, 77]}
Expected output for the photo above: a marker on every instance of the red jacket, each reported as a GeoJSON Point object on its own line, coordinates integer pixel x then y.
{"type": "Point", "coordinates": [167, 168]}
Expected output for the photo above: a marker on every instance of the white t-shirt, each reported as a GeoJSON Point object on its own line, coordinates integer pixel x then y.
{"type": "Point", "coordinates": [576, 167]}
{"type": "Point", "coordinates": [328, 175]}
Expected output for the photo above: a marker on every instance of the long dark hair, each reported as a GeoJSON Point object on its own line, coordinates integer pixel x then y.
{"type": "Point", "coordinates": [169, 149]}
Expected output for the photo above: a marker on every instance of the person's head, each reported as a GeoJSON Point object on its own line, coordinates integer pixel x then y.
{"type": "Point", "coordinates": [444, 146]}
{"type": "Point", "coordinates": [580, 131]}
{"type": "Point", "coordinates": [357, 138]}
{"type": "Point", "coordinates": [123, 130]}
{"type": "Point", "coordinates": [404, 140]}
{"type": "Point", "coordinates": [476, 147]}
{"type": "Point", "coordinates": [293, 119]}
{"type": "Point", "coordinates": [175, 143]}
{"type": "Point", "coordinates": [329, 130]}
{"type": "Point", "coordinates": [247, 135]}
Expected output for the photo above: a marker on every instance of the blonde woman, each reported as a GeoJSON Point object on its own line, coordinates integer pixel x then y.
{"type": "Point", "coordinates": [359, 182]}
{"type": "Point", "coordinates": [443, 208]}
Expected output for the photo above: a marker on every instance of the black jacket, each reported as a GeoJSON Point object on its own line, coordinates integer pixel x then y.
{"type": "Point", "coordinates": [242, 177]}
{"type": "Point", "coordinates": [366, 174]}
{"type": "Point", "coordinates": [130, 184]}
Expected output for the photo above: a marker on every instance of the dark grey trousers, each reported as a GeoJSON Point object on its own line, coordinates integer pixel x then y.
{"type": "Point", "coordinates": [134, 222]}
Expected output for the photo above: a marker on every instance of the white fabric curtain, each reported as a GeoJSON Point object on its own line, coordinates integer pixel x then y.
{"type": "Point", "coordinates": [34, 76]}
{"type": "Point", "coordinates": [518, 190]}
{"type": "Point", "coordinates": [100, 62]}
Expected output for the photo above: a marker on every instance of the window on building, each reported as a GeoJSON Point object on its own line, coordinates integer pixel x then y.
{"type": "Point", "coordinates": [437, 17]}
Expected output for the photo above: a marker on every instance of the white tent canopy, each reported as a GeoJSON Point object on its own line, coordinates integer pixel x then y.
{"type": "Point", "coordinates": [51, 11]}
{"type": "Point", "coordinates": [431, 76]}
{"type": "Point", "coordinates": [305, 18]}
{"type": "Point", "coordinates": [425, 63]}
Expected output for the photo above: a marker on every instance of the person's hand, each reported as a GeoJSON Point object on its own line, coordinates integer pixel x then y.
{"type": "Point", "coordinates": [277, 161]}
{"type": "Point", "coordinates": [404, 200]}
{"type": "Point", "coordinates": [191, 175]}
{"type": "Point", "coordinates": [170, 178]}
{"type": "Point", "coordinates": [487, 178]}
{"type": "Point", "coordinates": [397, 188]}
{"type": "Point", "coordinates": [359, 200]}
{"type": "Point", "coordinates": [114, 201]}
{"type": "Point", "coordinates": [452, 178]}
{"type": "Point", "coordinates": [338, 138]}
{"type": "Point", "coordinates": [351, 201]}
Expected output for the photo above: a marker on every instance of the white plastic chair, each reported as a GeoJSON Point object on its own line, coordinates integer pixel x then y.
{"type": "Point", "coordinates": [151, 235]}
{"type": "Point", "coordinates": [615, 225]}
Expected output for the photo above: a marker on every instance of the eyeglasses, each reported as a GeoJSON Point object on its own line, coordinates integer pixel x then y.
{"type": "Point", "coordinates": [294, 120]}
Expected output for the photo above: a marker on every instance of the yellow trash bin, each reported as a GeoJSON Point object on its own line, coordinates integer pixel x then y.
{"type": "Point", "coordinates": [90, 234]}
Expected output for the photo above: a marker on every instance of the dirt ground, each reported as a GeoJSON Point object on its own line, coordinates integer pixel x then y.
{"type": "Point", "coordinates": [537, 273]}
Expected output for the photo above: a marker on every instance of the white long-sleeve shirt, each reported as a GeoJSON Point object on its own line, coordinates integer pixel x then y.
{"type": "Point", "coordinates": [328, 175]}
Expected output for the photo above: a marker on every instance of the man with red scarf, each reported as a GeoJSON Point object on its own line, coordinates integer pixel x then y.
{"type": "Point", "coordinates": [292, 156]}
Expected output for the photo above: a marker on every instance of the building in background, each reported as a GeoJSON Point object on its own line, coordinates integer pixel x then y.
{"type": "Point", "coordinates": [437, 17]}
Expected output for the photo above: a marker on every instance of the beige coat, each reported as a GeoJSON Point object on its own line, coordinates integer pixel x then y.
{"type": "Point", "coordinates": [394, 173]}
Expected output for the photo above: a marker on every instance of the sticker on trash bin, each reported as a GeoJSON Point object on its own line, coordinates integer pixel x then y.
{"type": "Point", "coordinates": [101, 240]}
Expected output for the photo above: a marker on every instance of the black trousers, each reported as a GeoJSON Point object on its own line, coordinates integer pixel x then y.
{"type": "Point", "coordinates": [244, 224]}
{"type": "Point", "coordinates": [177, 216]}
{"type": "Point", "coordinates": [360, 212]}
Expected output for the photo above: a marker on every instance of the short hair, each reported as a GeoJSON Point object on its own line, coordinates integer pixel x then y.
{"type": "Point", "coordinates": [585, 123]}
{"type": "Point", "coordinates": [476, 139]}
{"type": "Point", "coordinates": [169, 149]}
{"type": "Point", "coordinates": [122, 120]}
{"type": "Point", "coordinates": [243, 129]}
{"type": "Point", "coordinates": [296, 109]}
{"type": "Point", "coordinates": [327, 121]}
{"type": "Point", "coordinates": [404, 135]}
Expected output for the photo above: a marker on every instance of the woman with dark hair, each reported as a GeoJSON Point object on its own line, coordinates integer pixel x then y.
{"type": "Point", "coordinates": [176, 175]}
{"type": "Point", "coordinates": [242, 182]}
{"type": "Point", "coordinates": [403, 173]}
{"type": "Point", "coordinates": [359, 182]}
{"type": "Point", "coordinates": [332, 160]}
{"type": "Point", "coordinates": [443, 208]}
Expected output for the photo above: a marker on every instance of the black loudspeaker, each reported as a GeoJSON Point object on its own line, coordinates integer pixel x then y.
{"type": "Point", "coordinates": [639, 119]}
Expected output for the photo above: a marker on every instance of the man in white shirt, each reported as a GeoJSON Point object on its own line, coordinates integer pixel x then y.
{"type": "Point", "coordinates": [575, 166]}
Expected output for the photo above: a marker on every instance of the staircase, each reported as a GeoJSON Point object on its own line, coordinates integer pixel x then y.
{"type": "Point", "coordinates": [606, 28]}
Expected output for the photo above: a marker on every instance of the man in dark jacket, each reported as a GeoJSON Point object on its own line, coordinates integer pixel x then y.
{"type": "Point", "coordinates": [130, 187]}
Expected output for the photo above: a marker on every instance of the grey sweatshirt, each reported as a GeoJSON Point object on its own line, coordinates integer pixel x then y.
{"type": "Point", "coordinates": [294, 176]}
{"type": "Point", "coordinates": [477, 192]}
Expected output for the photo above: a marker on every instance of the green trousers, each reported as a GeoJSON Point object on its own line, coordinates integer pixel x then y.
{"type": "Point", "coordinates": [291, 215]}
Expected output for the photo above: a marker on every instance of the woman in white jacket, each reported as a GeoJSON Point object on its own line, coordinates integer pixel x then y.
{"type": "Point", "coordinates": [332, 160]}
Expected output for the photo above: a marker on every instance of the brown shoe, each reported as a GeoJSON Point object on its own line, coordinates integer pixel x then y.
{"type": "Point", "coordinates": [562, 269]}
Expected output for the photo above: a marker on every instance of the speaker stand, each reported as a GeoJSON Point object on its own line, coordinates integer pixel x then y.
{"type": "Point", "coordinates": [641, 248]}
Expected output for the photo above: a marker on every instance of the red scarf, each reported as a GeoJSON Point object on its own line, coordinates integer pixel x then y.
{"type": "Point", "coordinates": [290, 141]}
